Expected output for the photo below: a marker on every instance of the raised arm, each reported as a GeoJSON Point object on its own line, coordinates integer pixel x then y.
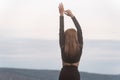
{"type": "Point", "coordinates": [79, 30]}
{"type": "Point", "coordinates": [61, 29]}
{"type": "Point", "coordinates": [77, 25]}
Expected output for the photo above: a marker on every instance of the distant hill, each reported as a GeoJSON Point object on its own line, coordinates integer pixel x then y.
{"type": "Point", "coordinates": [28, 74]}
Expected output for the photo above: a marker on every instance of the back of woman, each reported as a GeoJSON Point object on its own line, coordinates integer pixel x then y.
{"type": "Point", "coordinates": [71, 44]}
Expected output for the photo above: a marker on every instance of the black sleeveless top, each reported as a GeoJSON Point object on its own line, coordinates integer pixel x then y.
{"type": "Point", "coordinates": [76, 57]}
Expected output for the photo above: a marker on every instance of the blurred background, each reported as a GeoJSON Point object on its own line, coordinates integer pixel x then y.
{"type": "Point", "coordinates": [29, 32]}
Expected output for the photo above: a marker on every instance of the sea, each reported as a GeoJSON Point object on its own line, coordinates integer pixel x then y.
{"type": "Point", "coordinates": [98, 56]}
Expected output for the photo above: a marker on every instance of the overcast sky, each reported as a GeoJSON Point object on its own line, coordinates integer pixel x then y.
{"type": "Point", "coordinates": [39, 19]}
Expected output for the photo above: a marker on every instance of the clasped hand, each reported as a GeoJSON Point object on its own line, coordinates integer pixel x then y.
{"type": "Point", "coordinates": [62, 11]}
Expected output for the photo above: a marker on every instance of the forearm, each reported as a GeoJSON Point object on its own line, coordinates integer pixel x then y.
{"type": "Point", "coordinates": [79, 30]}
{"type": "Point", "coordinates": [61, 31]}
{"type": "Point", "coordinates": [61, 23]}
{"type": "Point", "coordinates": [77, 25]}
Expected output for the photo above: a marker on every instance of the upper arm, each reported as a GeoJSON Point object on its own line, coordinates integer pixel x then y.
{"type": "Point", "coordinates": [80, 38]}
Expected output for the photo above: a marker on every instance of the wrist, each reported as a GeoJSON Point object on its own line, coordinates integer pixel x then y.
{"type": "Point", "coordinates": [61, 14]}
{"type": "Point", "coordinates": [72, 16]}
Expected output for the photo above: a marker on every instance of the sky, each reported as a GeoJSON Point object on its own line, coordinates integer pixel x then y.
{"type": "Point", "coordinates": [39, 19]}
{"type": "Point", "coordinates": [99, 19]}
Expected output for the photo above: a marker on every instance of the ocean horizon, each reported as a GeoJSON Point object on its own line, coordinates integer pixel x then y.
{"type": "Point", "coordinates": [99, 56]}
{"type": "Point", "coordinates": [34, 74]}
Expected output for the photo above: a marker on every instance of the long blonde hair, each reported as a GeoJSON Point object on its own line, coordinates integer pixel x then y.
{"type": "Point", "coordinates": [71, 42]}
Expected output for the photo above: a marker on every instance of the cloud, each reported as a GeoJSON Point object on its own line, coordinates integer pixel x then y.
{"type": "Point", "coordinates": [32, 18]}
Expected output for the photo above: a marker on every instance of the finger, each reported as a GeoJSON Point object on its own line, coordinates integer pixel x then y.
{"type": "Point", "coordinates": [66, 13]}
{"type": "Point", "coordinates": [67, 10]}
{"type": "Point", "coordinates": [61, 4]}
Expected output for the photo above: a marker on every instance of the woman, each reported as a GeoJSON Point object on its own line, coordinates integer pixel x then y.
{"type": "Point", "coordinates": [71, 44]}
